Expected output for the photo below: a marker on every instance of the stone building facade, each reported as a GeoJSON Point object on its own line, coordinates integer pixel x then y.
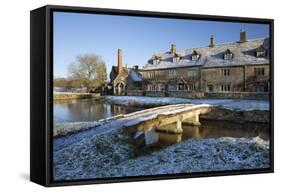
{"type": "Point", "coordinates": [124, 80]}
{"type": "Point", "coordinates": [238, 67]}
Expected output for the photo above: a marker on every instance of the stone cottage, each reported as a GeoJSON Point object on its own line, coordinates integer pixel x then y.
{"type": "Point", "coordinates": [125, 80]}
{"type": "Point", "coordinates": [236, 67]}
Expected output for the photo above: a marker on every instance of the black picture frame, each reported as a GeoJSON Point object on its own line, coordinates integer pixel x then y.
{"type": "Point", "coordinates": [41, 99]}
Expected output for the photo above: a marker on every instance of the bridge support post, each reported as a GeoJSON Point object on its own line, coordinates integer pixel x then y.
{"type": "Point", "coordinates": [193, 120]}
{"type": "Point", "coordinates": [172, 128]}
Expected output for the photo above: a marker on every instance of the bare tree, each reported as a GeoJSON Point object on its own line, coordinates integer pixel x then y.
{"type": "Point", "coordinates": [89, 70]}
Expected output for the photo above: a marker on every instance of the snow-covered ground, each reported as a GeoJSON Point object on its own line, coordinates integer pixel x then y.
{"type": "Point", "coordinates": [125, 120]}
{"type": "Point", "coordinates": [109, 149]}
{"type": "Point", "coordinates": [86, 155]}
{"type": "Point", "coordinates": [241, 105]}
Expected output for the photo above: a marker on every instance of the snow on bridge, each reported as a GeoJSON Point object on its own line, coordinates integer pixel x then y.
{"type": "Point", "coordinates": [165, 118]}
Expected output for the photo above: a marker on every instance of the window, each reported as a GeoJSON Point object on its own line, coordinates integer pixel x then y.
{"type": "Point", "coordinates": [260, 54]}
{"type": "Point", "coordinates": [181, 86]}
{"type": "Point", "coordinates": [225, 88]}
{"type": "Point", "coordinates": [225, 72]}
{"type": "Point", "coordinates": [176, 59]}
{"type": "Point", "coordinates": [259, 88]}
{"type": "Point", "coordinates": [161, 87]}
{"type": "Point", "coordinates": [210, 88]}
{"type": "Point", "coordinates": [172, 87]}
{"type": "Point", "coordinates": [192, 73]}
{"type": "Point", "coordinates": [195, 56]}
{"type": "Point", "coordinates": [259, 71]}
{"type": "Point", "coordinates": [260, 51]}
{"type": "Point", "coordinates": [228, 55]}
{"type": "Point", "coordinates": [137, 84]}
{"type": "Point", "coordinates": [151, 74]}
{"type": "Point", "coordinates": [190, 87]}
{"type": "Point", "coordinates": [172, 72]}
{"type": "Point", "coordinates": [156, 61]}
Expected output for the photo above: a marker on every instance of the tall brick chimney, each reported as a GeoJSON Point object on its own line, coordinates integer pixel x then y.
{"type": "Point", "coordinates": [243, 38]}
{"type": "Point", "coordinates": [212, 44]}
{"type": "Point", "coordinates": [173, 48]}
{"type": "Point", "coordinates": [120, 65]}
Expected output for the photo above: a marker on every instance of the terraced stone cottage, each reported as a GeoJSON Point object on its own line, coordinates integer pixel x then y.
{"type": "Point", "coordinates": [238, 69]}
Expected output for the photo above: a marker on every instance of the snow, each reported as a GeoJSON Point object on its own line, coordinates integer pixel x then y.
{"type": "Point", "coordinates": [88, 155]}
{"type": "Point", "coordinates": [135, 76]}
{"type": "Point", "coordinates": [232, 104]}
{"type": "Point", "coordinates": [61, 129]}
{"type": "Point", "coordinates": [244, 54]}
{"type": "Point", "coordinates": [122, 120]}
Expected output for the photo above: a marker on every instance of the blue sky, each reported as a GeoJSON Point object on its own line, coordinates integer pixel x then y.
{"type": "Point", "coordinates": [138, 37]}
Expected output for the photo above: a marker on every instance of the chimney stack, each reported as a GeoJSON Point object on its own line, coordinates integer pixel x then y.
{"type": "Point", "coordinates": [212, 41]}
{"type": "Point", "coordinates": [120, 66]}
{"type": "Point", "coordinates": [173, 48]}
{"type": "Point", "coordinates": [243, 38]}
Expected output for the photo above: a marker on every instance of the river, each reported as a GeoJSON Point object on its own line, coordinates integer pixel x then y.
{"type": "Point", "coordinates": [93, 110]}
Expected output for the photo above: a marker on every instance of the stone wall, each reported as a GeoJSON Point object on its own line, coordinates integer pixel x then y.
{"type": "Point", "coordinates": [155, 93]}
{"type": "Point", "coordinates": [185, 94]}
{"type": "Point", "coordinates": [217, 95]}
{"type": "Point", "coordinates": [134, 92]}
{"type": "Point", "coordinates": [68, 96]}
{"type": "Point", "coordinates": [239, 95]}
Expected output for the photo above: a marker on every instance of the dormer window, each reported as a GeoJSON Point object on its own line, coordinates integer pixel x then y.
{"type": "Point", "coordinates": [228, 55]}
{"type": "Point", "coordinates": [176, 58]}
{"type": "Point", "coordinates": [156, 59]}
{"type": "Point", "coordinates": [260, 51]}
{"type": "Point", "coordinates": [195, 56]}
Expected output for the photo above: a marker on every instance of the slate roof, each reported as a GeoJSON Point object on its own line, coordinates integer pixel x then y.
{"type": "Point", "coordinates": [135, 75]}
{"type": "Point", "coordinates": [243, 54]}
{"type": "Point", "coordinates": [113, 73]}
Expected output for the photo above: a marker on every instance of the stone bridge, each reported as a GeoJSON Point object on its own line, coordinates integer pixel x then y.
{"type": "Point", "coordinates": [167, 118]}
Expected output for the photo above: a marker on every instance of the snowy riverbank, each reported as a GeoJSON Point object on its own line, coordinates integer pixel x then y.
{"type": "Point", "coordinates": [113, 154]}
{"type": "Point", "coordinates": [240, 105]}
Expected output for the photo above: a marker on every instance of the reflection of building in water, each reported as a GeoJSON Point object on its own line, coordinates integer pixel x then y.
{"type": "Point", "coordinates": [191, 132]}
{"type": "Point", "coordinates": [213, 129]}
{"type": "Point", "coordinates": [208, 129]}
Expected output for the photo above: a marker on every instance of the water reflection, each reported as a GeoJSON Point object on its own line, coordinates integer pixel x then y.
{"type": "Point", "coordinates": [208, 129]}
{"type": "Point", "coordinates": [92, 110]}
{"type": "Point", "coordinates": [87, 110]}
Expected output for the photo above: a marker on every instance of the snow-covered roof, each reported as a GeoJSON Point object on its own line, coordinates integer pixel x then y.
{"type": "Point", "coordinates": [243, 54]}
{"type": "Point", "coordinates": [135, 76]}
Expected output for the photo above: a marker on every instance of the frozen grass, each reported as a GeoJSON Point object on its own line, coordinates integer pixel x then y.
{"type": "Point", "coordinates": [87, 155]}
{"type": "Point", "coordinates": [242, 105]}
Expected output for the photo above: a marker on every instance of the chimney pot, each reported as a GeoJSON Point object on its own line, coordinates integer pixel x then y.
{"type": "Point", "coordinates": [243, 38]}
{"type": "Point", "coordinates": [212, 44]}
{"type": "Point", "coordinates": [173, 48]}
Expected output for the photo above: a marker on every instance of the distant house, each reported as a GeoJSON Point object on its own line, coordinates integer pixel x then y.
{"type": "Point", "coordinates": [124, 80]}
{"type": "Point", "coordinates": [242, 66]}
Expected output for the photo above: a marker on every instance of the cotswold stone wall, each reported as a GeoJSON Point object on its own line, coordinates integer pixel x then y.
{"type": "Point", "coordinates": [193, 95]}
{"type": "Point", "coordinates": [155, 93]}
{"type": "Point", "coordinates": [135, 92]}
{"type": "Point", "coordinates": [239, 95]}
{"type": "Point", "coordinates": [68, 96]}
{"type": "Point", "coordinates": [185, 94]}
